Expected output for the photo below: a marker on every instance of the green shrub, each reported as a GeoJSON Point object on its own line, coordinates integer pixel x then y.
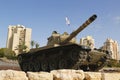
{"type": "Point", "coordinates": [8, 53]}
{"type": "Point", "coordinates": [113, 63]}
{"type": "Point", "coordinates": [1, 52]}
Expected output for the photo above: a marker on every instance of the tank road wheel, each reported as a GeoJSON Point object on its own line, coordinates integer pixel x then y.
{"type": "Point", "coordinates": [36, 67]}
{"type": "Point", "coordinates": [44, 66]}
{"type": "Point", "coordinates": [52, 65]}
{"type": "Point", "coordinates": [84, 67]}
{"type": "Point", "coordinates": [25, 67]}
{"type": "Point", "coordinates": [30, 67]}
{"type": "Point", "coordinates": [62, 64]}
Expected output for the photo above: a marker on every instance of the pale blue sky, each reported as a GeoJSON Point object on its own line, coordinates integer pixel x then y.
{"type": "Point", "coordinates": [45, 16]}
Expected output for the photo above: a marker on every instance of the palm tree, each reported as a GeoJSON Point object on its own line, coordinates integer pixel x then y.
{"type": "Point", "coordinates": [32, 43]}
{"type": "Point", "coordinates": [37, 45]}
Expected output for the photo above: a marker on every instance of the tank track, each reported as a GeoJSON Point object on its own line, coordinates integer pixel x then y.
{"type": "Point", "coordinates": [63, 57]}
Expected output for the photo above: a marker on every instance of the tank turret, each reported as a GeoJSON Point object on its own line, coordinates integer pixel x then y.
{"type": "Point", "coordinates": [56, 38]}
{"type": "Point", "coordinates": [68, 55]}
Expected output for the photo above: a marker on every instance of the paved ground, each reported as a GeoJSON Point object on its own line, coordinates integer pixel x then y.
{"type": "Point", "coordinates": [110, 70]}
{"type": "Point", "coordinates": [9, 64]}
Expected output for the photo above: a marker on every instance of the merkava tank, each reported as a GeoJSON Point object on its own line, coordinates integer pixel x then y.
{"type": "Point", "coordinates": [62, 52]}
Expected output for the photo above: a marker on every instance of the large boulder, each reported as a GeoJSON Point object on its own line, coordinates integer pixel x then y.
{"type": "Point", "coordinates": [39, 76]}
{"type": "Point", "coordinates": [67, 74]}
{"type": "Point", "coordinates": [93, 76]}
{"type": "Point", "coordinates": [12, 75]}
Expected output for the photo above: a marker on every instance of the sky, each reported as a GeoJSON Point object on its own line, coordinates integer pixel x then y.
{"type": "Point", "coordinates": [45, 16]}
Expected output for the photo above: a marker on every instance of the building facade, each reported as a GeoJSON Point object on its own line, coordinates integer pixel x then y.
{"type": "Point", "coordinates": [17, 35]}
{"type": "Point", "coordinates": [87, 41]}
{"type": "Point", "coordinates": [113, 47]}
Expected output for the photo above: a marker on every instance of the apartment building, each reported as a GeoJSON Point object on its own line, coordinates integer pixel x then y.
{"type": "Point", "coordinates": [88, 41]}
{"type": "Point", "coordinates": [17, 35]}
{"type": "Point", "coordinates": [113, 47]}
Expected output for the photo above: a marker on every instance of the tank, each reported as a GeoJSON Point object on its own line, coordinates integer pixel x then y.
{"type": "Point", "coordinates": [62, 52]}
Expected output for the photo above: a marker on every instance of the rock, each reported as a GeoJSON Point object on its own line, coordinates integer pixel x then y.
{"type": "Point", "coordinates": [67, 74]}
{"type": "Point", "coordinates": [12, 75]}
{"type": "Point", "coordinates": [39, 76]}
{"type": "Point", "coordinates": [93, 76]}
{"type": "Point", "coordinates": [63, 74]}
{"type": "Point", "coordinates": [111, 76]}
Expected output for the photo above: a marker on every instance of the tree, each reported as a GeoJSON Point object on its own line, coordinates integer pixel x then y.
{"type": "Point", "coordinates": [2, 52]}
{"type": "Point", "coordinates": [22, 47]}
{"type": "Point", "coordinates": [113, 63]}
{"type": "Point", "coordinates": [8, 53]}
{"type": "Point", "coordinates": [32, 43]}
{"type": "Point", "coordinates": [37, 45]}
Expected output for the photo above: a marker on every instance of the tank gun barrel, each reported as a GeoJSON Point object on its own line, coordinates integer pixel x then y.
{"type": "Point", "coordinates": [84, 25]}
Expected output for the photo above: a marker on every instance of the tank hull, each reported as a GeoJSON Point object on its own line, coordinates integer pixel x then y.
{"type": "Point", "coordinates": [72, 56]}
